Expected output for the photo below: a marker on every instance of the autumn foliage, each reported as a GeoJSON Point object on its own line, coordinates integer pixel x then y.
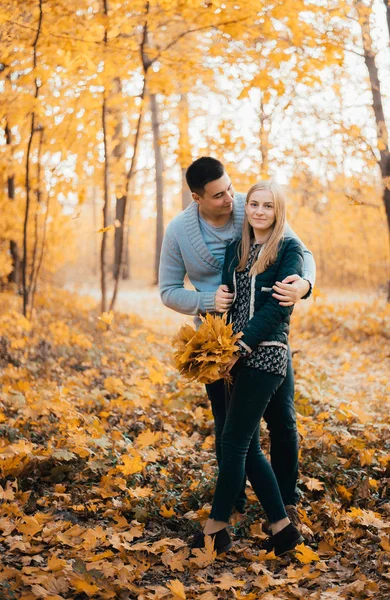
{"type": "Point", "coordinates": [107, 461]}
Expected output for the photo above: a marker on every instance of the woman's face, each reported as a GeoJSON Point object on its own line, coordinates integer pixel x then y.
{"type": "Point", "coordinates": [260, 211]}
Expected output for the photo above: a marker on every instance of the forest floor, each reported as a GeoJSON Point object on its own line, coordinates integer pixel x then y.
{"type": "Point", "coordinates": [107, 464]}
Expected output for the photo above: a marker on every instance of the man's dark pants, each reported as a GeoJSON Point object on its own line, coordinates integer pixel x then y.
{"type": "Point", "coordinates": [281, 422]}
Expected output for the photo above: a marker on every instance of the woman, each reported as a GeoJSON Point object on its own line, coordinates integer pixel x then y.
{"type": "Point", "coordinates": [252, 266]}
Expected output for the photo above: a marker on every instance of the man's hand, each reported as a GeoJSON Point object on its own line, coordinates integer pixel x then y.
{"type": "Point", "coordinates": [290, 290]}
{"type": "Point", "coordinates": [223, 299]}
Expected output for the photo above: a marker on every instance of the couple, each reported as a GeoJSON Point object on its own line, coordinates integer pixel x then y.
{"type": "Point", "coordinates": [242, 257]}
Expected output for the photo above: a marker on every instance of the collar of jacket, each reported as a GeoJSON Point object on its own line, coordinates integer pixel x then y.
{"type": "Point", "coordinates": [194, 234]}
{"type": "Point", "coordinates": [252, 288]}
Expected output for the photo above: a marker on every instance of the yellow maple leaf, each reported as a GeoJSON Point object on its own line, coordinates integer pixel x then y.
{"type": "Point", "coordinates": [7, 493]}
{"type": "Point", "coordinates": [175, 560]}
{"type": "Point", "coordinates": [81, 585]}
{"type": "Point", "coordinates": [30, 527]}
{"type": "Point", "coordinates": [147, 438]}
{"type": "Point", "coordinates": [366, 456]}
{"type": "Point", "coordinates": [177, 589]}
{"type": "Point", "coordinates": [132, 464]}
{"type": "Point", "coordinates": [305, 554]}
{"type": "Point", "coordinates": [344, 493]}
{"type": "Point", "coordinates": [204, 556]}
{"type": "Point", "coordinates": [167, 513]}
{"type": "Point", "coordinates": [228, 581]}
{"type": "Point", "coordinates": [56, 564]}
{"type": "Point", "coordinates": [313, 484]}
{"type": "Point", "coordinates": [385, 544]}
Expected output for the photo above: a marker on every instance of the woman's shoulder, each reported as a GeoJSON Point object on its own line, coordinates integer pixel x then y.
{"type": "Point", "coordinates": [290, 244]}
{"type": "Point", "coordinates": [232, 246]}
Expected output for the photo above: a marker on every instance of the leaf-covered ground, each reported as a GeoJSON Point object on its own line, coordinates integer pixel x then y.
{"type": "Point", "coordinates": [107, 463]}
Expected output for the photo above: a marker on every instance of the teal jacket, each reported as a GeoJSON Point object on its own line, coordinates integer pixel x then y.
{"type": "Point", "coordinates": [268, 321]}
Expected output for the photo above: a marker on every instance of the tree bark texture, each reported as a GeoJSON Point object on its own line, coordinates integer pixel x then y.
{"type": "Point", "coordinates": [159, 165]}
{"type": "Point", "coordinates": [14, 276]}
{"type": "Point", "coordinates": [25, 287]}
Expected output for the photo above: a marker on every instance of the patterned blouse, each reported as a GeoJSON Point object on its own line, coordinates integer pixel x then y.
{"type": "Point", "coordinates": [270, 358]}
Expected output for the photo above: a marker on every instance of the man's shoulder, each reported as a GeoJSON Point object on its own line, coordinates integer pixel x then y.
{"type": "Point", "coordinates": [239, 198]}
{"type": "Point", "coordinates": [177, 223]}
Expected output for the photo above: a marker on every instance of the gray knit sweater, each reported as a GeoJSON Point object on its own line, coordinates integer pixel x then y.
{"type": "Point", "coordinates": [184, 252]}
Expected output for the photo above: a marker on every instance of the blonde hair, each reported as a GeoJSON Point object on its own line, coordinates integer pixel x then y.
{"type": "Point", "coordinates": [269, 250]}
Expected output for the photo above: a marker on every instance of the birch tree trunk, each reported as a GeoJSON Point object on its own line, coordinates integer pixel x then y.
{"type": "Point", "coordinates": [159, 164]}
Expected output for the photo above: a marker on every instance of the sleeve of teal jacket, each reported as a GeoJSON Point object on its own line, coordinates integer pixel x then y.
{"type": "Point", "coordinates": [271, 314]}
{"type": "Point", "coordinates": [229, 255]}
{"type": "Point", "coordinates": [309, 270]}
{"type": "Point", "coordinates": [172, 272]}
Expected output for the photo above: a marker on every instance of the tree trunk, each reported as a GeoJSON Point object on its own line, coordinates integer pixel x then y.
{"type": "Point", "coordinates": [106, 200]}
{"type": "Point", "coordinates": [25, 288]}
{"type": "Point", "coordinates": [129, 177]}
{"type": "Point", "coordinates": [130, 173]}
{"type": "Point", "coordinates": [184, 149]}
{"type": "Point", "coordinates": [36, 219]}
{"type": "Point", "coordinates": [14, 276]}
{"type": "Point", "coordinates": [119, 216]}
{"type": "Point", "coordinates": [106, 189]}
{"type": "Point", "coordinates": [364, 13]}
{"type": "Point", "coordinates": [118, 154]}
{"type": "Point", "coordinates": [159, 182]}
{"type": "Point", "coordinates": [387, 5]}
{"type": "Point", "coordinates": [95, 228]}
{"type": "Point", "coordinates": [41, 254]}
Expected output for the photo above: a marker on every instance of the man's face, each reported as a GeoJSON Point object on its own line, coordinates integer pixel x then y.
{"type": "Point", "coordinates": [217, 199]}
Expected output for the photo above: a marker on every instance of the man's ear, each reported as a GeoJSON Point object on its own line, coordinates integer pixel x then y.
{"type": "Point", "coordinates": [195, 197]}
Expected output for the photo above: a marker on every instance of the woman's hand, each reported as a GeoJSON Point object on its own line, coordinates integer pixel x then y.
{"type": "Point", "coordinates": [230, 365]}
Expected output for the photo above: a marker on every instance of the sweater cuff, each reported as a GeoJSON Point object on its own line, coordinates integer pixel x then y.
{"type": "Point", "coordinates": [207, 302]}
{"type": "Point", "coordinates": [244, 348]}
{"type": "Point", "coordinates": [310, 289]}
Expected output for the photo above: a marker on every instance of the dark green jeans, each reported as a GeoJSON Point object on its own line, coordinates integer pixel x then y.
{"type": "Point", "coordinates": [241, 453]}
{"type": "Point", "coordinates": [281, 422]}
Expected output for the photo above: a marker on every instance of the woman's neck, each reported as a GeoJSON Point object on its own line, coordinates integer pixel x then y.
{"type": "Point", "coordinates": [261, 237]}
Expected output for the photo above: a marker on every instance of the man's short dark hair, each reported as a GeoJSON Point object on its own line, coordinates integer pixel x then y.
{"type": "Point", "coordinates": [202, 171]}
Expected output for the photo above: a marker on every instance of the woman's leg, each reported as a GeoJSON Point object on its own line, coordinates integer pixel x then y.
{"type": "Point", "coordinates": [219, 396]}
{"type": "Point", "coordinates": [280, 417]}
{"type": "Point", "coordinates": [251, 392]}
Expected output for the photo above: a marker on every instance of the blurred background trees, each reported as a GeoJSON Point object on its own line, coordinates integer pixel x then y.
{"type": "Point", "coordinates": [105, 103]}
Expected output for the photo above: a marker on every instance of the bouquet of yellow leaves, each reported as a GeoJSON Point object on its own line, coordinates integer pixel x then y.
{"type": "Point", "coordinates": [204, 354]}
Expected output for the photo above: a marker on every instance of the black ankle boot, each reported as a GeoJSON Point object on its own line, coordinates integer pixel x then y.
{"type": "Point", "coordinates": [286, 539]}
{"type": "Point", "coordinates": [222, 541]}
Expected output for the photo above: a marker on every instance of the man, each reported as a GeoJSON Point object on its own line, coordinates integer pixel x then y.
{"type": "Point", "coordinates": [194, 245]}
